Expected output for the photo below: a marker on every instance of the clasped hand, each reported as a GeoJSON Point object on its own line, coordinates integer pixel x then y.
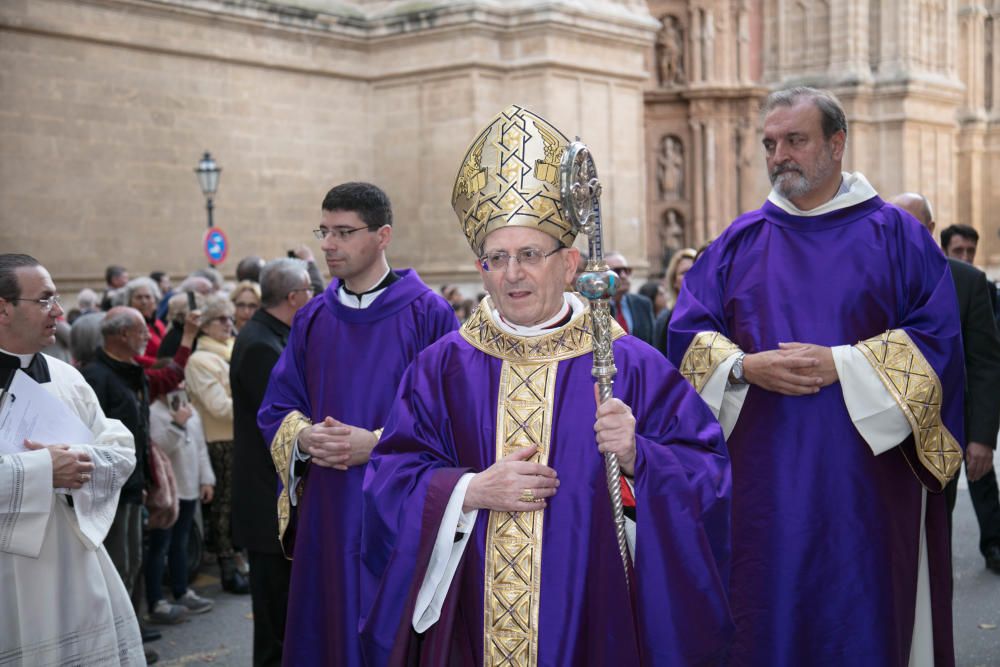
{"type": "Point", "coordinates": [333, 444]}
{"type": "Point", "coordinates": [794, 369]}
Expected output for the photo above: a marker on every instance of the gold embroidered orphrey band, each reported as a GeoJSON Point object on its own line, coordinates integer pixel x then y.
{"type": "Point", "coordinates": [917, 390]}
{"type": "Point", "coordinates": [572, 340]}
{"type": "Point", "coordinates": [281, 453]}
{"type": "Point", "coordinates": [525, 403]}
{"type": "Point", "coordinates": [514, 539]}
{"type": "Point", "coordinates": [707, 350]}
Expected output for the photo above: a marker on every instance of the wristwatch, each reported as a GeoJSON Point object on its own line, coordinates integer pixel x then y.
{"type": "Point", "coordinates": [736, 372]}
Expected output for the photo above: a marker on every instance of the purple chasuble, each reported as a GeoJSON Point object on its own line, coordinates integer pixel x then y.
{"type": "Point", "coordinates": [345, 363]}
{"type": "Point", "coordinates": [444, 423]}
{"type": "Point", "coordinates": [826, 534]}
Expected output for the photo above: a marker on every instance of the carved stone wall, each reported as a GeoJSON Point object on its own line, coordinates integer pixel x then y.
{"type": "Point", "coordinates": [918, 79]}
{"type": "Point", "coordinates": [107, 105]}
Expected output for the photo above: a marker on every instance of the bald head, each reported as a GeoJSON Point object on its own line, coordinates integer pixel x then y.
{"type": "Point", "coordinates": [917, 206]}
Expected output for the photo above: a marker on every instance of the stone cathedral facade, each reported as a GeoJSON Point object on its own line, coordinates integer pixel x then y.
{"type": "Point", "coordinates": [107, 105]}
{"type": "Point", "coordinates": [920, 81]}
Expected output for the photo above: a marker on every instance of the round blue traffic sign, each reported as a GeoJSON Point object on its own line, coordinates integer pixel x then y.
{"type": "Point", "coordinates": [216, 245]}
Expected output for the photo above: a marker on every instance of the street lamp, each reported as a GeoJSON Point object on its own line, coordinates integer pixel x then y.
{"type": "Point", "coordinates": [208, 178]}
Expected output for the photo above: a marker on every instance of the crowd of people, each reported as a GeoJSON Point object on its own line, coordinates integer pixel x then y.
{"type": "Point", "coordinates": [402, 476]}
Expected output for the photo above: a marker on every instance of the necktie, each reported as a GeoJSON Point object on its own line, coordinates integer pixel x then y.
{"type": "Point", "coordinates": [619, 315]}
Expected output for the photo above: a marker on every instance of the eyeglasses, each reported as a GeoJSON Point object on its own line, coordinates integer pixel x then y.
{"type": "Point", "coordinates": [246, 306]}
{"type": "Point", "coordinates": [498, 261]}
{"type": "Point", "coordinates": [222, 319]}
{"type": "Point", "coordinates": [47, 304]}
{"type": "Point", "coordinates": [302, 289]}
{"type": "Point", "coordinates": [624, 271]}
{"type": "Point", "coordinates": [340, 233]}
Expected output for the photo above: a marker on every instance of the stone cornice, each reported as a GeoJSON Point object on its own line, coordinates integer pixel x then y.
{"type": "Point", "coordinates": [347, 43]}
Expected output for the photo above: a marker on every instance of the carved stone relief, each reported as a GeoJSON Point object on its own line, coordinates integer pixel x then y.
{"type": "Point", "coordinates": [670, 52]}
{"type": "Point", "coordinates": [671, 234]}
{"type": "Point", "coordinates": [670, 168]}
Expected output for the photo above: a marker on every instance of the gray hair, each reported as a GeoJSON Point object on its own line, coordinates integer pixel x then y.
{"type": "Point", "coordinates": [85, 337]}
{"type": "Point", "coordinates": [87, 299]}
{"type": "Point", "coordinates": [834, 118]}
{"type": "Point", "coordinates": [137, 283]}
{"type": "Point", "coordinates": [177, 306]}
{"type": "Point", "coordinates": [212, 275]}
{"type": "Point", "coordinates": [278, 278]}
{"type": "Point", "coordinates": [197, 284]}
{"type": "Point", "coordinates": [215, 306]}
{"type": "Point", "coordinates": [119, 320]}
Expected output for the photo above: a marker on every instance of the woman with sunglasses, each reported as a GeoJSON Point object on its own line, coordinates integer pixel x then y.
{"type": "Point", "coordinates": [207, 381]}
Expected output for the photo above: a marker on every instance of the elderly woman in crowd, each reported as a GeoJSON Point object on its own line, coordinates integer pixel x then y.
{"type": "Point", "coordinates": [143, 295]}
{"type": "Point", "coordinates": [246, 300]}
{"type": "Point", "coordinates": [177, 311]}
{"type": "Point", "coordinates": [677, 268]}
{"type": "Point", "coordinates": [207, 379]}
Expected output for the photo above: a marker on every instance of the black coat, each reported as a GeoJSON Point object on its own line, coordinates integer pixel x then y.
{"type": "Point", "coordinates": [123, 392]}
{"type": "Point", "coordinates": [642, 316]}
{"type": "Point", "coordinates": [255, 483]}
{"type": "Point", "coordinates": [982, 353]}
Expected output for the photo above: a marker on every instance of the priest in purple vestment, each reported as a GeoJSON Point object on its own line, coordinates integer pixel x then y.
{"type": "Point", "coordinates": [823, 331]}
{"type": "Point", "coordinates": [488, 536]}
{"type": "Point", "coordinates": [327, 400]}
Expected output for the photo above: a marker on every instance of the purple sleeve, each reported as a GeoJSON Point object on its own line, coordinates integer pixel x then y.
{"type": "Point", "coordinates": [683, 489]}
{"type": "Point", "coordinates": [407, 486]}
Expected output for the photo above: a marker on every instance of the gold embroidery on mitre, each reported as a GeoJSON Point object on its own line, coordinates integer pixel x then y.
{"type": "Point", "coordinates": [281, 453]}
{"type": "Point", "coordinates": [917, 390]}
{"type": "Point", "coordinates": [514, 539]}
{"type": "Point", "coordinates": [510, 177]}
{"type": "Point", "coordinates": [572, 340]}
{"type": "Point", "coordinates": [707, 350]}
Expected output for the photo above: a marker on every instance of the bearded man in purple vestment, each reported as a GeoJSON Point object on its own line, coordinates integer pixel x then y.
{"type": "Point", "coordinates": [326, 403]}
{"type": "Point", "coordinates": [488, 534]}
{"type": "Point", "coordinates": [823, 331]}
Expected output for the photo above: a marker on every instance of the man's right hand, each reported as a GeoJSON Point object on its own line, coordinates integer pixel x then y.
{"type": "Point", "coordinates": [70, 470]}
{"type": "Point", "coordinates": [332, 444]}
{"type": "Point", "coordinates": [502, 486]}
{"type": "Point", "coordinates": [783, 371]}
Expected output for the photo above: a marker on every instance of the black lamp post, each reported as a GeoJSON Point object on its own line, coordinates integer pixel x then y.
{"type": "Point", "coordinates": [208, 178]}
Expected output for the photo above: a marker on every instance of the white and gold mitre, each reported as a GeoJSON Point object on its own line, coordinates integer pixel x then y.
{"type": "Point", "coordinates": [510, 178]}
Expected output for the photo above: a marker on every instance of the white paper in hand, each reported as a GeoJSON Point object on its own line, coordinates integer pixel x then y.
{"type": "Point", "coordinates": [27, 410]}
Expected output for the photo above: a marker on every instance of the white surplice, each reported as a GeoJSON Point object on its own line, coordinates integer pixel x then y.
{"type": "Point", "coordinates": [61, 600]}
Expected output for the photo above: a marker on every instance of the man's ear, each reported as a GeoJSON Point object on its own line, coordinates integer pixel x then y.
{"type": "Point", "coordinates": [5, 307]}
{"type": "Point", "coordinates": [838, 143]}
{"type": "Point", "coordinates": [384, 235]}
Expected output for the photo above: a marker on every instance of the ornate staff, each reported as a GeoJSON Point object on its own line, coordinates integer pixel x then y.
{"type": "Point", "coordinates": [581, 198]}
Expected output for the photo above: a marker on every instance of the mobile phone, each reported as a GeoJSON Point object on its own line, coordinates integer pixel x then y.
{"type": "Point", "coordinates": [192, 304]}
{"type": "Point", "coordinates": [176, 399]}
{"type": "Point", "coordinates": [291, 253]}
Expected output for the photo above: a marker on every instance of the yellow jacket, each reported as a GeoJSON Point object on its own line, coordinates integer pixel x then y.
{"type": "Point", "coordinates": [207, 379]}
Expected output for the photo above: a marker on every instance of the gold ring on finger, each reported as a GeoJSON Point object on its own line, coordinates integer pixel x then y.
{"type": "Point", "coordinates": [527, 496]}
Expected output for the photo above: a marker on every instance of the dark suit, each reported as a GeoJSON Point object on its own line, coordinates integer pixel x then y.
{"type": "Point", "coordinates": [255, 483]}
{"type": "Point", "coordinates": [641, 310]}
{"type": "Point", "coordinates": [981, 342]}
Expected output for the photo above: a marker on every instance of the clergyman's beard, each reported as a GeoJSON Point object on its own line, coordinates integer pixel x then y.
{"type": "Point", "coordinates": [791, 183]}
{"type": "Point", "coordinates": [797, 184]}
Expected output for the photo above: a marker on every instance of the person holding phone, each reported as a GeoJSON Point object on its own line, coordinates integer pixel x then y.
{"type": "Point", "coordinates": [176, 427]}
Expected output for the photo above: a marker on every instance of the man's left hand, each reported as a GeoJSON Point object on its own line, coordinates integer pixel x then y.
{"type": "Point", "coordinates": [361, 443]}
{"type": "Point", "coordinates": [615, 429]}
{"type": "Point", "coordinates": [824, 369]}
{"type": "Point", "coordinates": [978, 460]}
